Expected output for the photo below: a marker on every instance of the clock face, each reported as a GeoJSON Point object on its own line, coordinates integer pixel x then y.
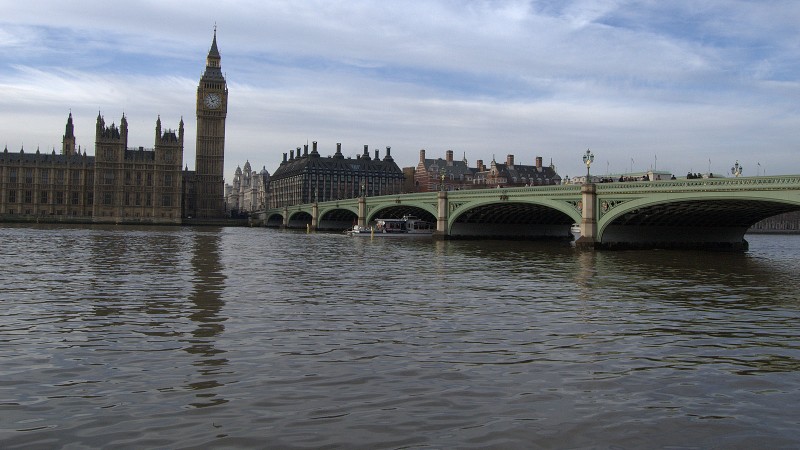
{"type": "Point", "coordinates": [213, 101]}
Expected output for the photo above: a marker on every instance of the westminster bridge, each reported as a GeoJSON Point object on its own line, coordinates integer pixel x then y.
{"type": "Point", "coordinates": [709, 213]}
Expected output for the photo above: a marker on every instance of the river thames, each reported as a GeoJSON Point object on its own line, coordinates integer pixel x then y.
{"type": "Point", "coordinates": [164, 337]}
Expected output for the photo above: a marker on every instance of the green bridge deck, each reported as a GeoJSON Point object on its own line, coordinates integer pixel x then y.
{"type": "Point", "coordinates": [700, 213]}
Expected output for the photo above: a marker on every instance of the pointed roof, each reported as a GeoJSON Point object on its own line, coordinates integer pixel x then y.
{"type": "Point", "coordinates": [214, 52]}
{"type": "Point", "coordinates": [213, 68]}
{"type": "Point", "coordinates": [70, 128]}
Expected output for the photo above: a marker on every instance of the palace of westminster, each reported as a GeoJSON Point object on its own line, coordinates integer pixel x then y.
{"type": "Point", "coordinates": [121, 184]}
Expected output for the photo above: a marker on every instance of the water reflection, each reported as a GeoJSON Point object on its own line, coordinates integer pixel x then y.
{"type": "Point", "coordinates": [343, 343]}
{"type": "Point", "coordinates": [208, 286]}
{"type": "Point", "coordinates": [584, 274]}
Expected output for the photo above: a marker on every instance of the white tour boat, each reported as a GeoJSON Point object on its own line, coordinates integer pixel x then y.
{"type": "Point", "coordinates": [408, 226]}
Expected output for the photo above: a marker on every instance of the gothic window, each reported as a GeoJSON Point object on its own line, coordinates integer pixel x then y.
{"type": "Point", "coordinates": [59, 197]}
{"type": "Point", "coordinates": [43, 197]}
{"type": "Point", "coordinates": [28, 197]}
{"type": "Point", "coordinates": [108, 177]}
{"type": "Point", "coordinates": [107, 198]}
{"type": "Point", "coordinates": [12, 175]}
{"type": "Point", "coordinates": [75, 198]}
{"type": "Point", "coordinates": [12, 196]}
{"type": "Point", "coordinates": [149, 180]}
{"type": "Point", "coordinates": [90, 198]}
{"type": "Point", "coordinates": [44, 176]}
{"type": "Point", "coordinates": [29, 176]}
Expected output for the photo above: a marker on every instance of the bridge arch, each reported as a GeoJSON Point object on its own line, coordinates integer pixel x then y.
{"type": "Point", "coordinates": [337, 218]}
{"type": "Point", "coordinates": [712, 220]}
{"type": "Point", "coordinates": [274, 220]}
{"type": "Point", "coordinates": [513, 218]}
{"type": "Point", "coordinates": [398, 210]}
{"type": "Point", "coordinates": [299, 219]}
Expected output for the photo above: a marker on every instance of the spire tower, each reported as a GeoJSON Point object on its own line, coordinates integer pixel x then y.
{"type": "Point", "coordinates": [212, 109]}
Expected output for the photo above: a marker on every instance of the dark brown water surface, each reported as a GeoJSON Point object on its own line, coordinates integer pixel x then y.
{"type": "Point", "coordinates": [245, 337]}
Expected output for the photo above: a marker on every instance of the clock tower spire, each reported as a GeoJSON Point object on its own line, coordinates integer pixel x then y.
{"type": "Point", "coordinates": [212, 108]}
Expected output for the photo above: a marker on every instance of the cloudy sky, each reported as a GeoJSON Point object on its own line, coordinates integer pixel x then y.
{"type": "Point", "coordinates": [679, 85]}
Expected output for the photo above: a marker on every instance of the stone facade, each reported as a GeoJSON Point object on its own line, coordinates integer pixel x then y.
{"type": "Point", "coordinates": [309, 177]}
{"type": "Point", "coordinates": [435, 174]}
{"type": "Point", "coordinates": [783, 223]}
{"type": "Point", "coordinates": [122, 184]}
{"type": "Point", "coordinates": [212, 110]}
{"type": "Point", "coordinates": [117, 185]}
{"type": "Point", "coordinates": [248, 193]}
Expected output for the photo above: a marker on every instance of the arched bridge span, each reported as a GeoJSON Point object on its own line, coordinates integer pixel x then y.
{"type": "Point", "coordinates": [708, 213]}
{"type": "Point", "coordinates": [711, 213]}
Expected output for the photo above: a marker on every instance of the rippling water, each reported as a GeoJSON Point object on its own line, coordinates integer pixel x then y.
{"type": "Point", "coordinates": [238, 337]}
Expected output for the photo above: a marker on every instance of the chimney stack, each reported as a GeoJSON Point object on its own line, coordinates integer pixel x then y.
{"type": "Point", "coordinates": [422, 155]}
{"type": "Point", "coordinates": [538, 162]}
{"type": "Point", "coordinates": [449, 156]}
{"type": "Point", "coordinates": [510, 160]}
{"type": "Point", "coordinates": [481, 168]}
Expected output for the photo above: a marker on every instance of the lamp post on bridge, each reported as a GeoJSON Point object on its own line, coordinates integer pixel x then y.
{"type": "Point", "coordinates": [588, 159]}
{"type": "Point", "coordinates": [441, 178]}
{"type": "Point", "coordinates": [588, 207]}
{"type": "Point", "coordinates": [736, 170]}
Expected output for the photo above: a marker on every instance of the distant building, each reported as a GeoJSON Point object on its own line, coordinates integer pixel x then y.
{"type": "Point", "coordinates": [117, 185]}
{"type": "Point", "coordinates": [511, 174]}
{"type": "Point", "coordinates": [430, 174]}
{"type": "Point", "coordinates": [248, 192]}
{"type": "Point", "coordinates": [309, 177]}
{"type": "Point", "coordinates": [433, 174]}
{"type": "Point", "coordinates": [782, 223]}
{"type": "Point", "coordinates": [122, 184]}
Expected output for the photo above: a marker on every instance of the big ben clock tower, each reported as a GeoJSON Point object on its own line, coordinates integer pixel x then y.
{"type": "Point", "coordinates": [212, 107]}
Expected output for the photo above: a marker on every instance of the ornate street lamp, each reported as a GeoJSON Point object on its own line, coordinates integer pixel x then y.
{"type": "Point", "coordinates": [363, 191]}
{"type": "Point", "coordinates": [736, 170]}
{"type": "Point", "coordinates": [441, 176]}
{"type": "Point", "coordinates": [588, 159]}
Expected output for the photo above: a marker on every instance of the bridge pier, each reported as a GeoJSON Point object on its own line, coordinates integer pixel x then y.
{"type": "Point", "coordinates": [441, 217]}
{"type": "Point", "coordinates": [588, 239]}
{"type": "Point", "coordinates": [314, 216]}
{"type": "Point", "coordinates": [285, 217]}
{"type": "Point", "coordinates": [362, 211]}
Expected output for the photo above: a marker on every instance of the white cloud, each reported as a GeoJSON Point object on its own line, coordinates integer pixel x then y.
{"type": "Point", "coordinates": [687, 81]}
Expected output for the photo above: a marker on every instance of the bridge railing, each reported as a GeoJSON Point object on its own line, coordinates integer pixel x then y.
{"type": "Point", "coordinates": [700, 184]}
{"type": "Point", "coordinates": [739, 183]}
